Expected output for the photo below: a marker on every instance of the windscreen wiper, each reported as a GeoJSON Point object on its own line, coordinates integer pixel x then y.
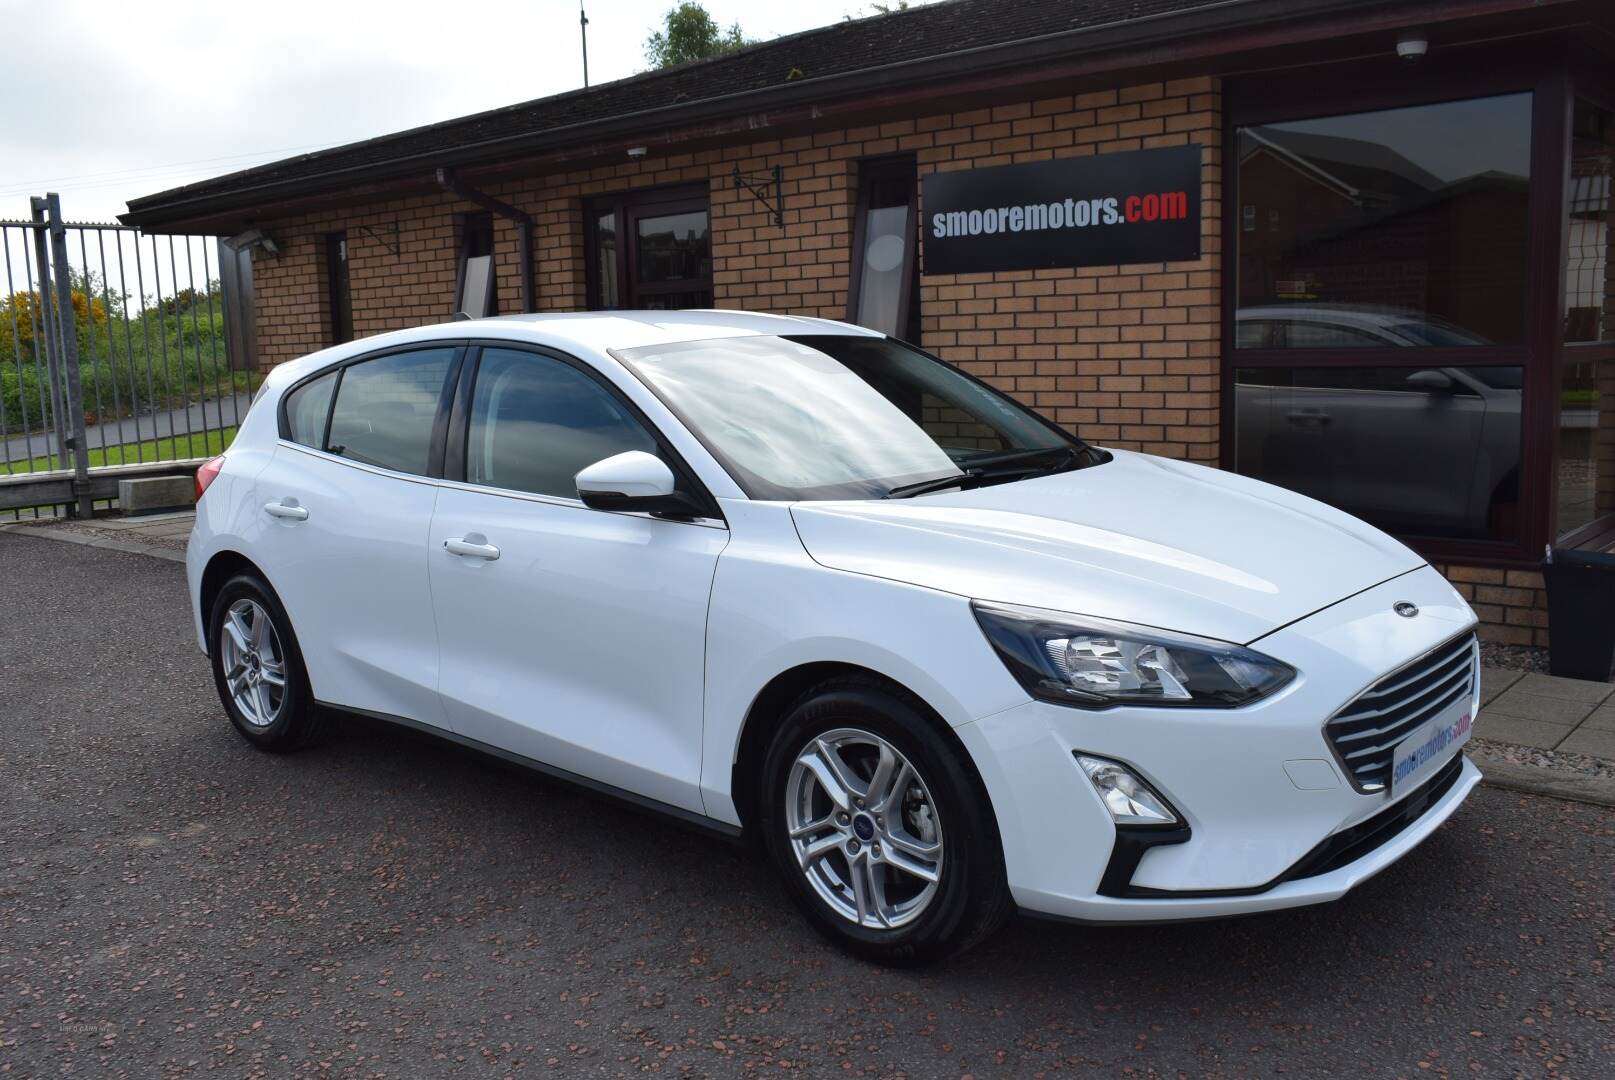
{"type": "Point", "coordinates": [1048, 459]}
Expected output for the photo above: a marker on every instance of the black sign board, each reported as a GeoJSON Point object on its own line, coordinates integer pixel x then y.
{"type": "Point", "coordinates": [1137, 207]}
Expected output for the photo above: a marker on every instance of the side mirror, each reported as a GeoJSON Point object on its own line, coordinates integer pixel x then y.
{"type": "Point", "coordinates": [634, 482]}
{"type": "Point", "coordinates": [1431, 382]}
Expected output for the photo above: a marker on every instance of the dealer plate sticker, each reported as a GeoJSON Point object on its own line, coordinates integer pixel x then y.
{"type": "Point", "coordinates": [1427, 749]}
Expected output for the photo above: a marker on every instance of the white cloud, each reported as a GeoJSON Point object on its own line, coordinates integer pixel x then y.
{"type": "Point", "coordinates": [107, 101]}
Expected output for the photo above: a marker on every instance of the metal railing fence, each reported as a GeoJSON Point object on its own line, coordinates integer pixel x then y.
{"type": "Point", "coordinates": [116, 349]}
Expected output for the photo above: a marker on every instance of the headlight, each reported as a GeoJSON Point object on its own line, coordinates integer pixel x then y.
{"type": "Point", "coordinates": [1074, 660]}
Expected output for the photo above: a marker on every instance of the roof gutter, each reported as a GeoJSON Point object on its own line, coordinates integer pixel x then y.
{"type": "Point", "coordinates": [1214, 17]}
{"type": "Point", "coordinates": [524, 228]}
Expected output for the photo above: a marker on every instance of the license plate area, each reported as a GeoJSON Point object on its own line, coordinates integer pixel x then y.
{"type": "Point", "coordinates": [1421, 755]}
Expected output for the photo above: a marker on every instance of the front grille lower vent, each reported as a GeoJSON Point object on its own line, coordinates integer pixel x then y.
{"type": "Point", "coordinates": [1364, 734]}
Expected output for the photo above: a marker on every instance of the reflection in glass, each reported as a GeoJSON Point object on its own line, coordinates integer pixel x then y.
{"type": "Point", "coordinates": [537, 422]}
{"type": "Point", "coordinates": [1413, 216]}
{"type": "Point", "coordinates": [1590, 212]}
{"type": "Point", "coordinates": [833, 417]}
{"type": "Point", "coordinates": [1586, 443]}
{"type": "Point", "coordinates": [1426, 452]}
{"type": "Point", "coordinates": [605, 262]}
{"type": "Point", "coordinates": [673, 247]}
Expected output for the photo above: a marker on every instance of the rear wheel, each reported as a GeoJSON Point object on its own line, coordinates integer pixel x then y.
{"type": "Point", "coordinates": [881, 832]}
{"type": "Point", "coordinates": [258, 668]}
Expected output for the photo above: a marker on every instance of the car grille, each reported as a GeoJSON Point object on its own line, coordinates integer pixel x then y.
{"type": "Point", "coordinates": [1364, 734]}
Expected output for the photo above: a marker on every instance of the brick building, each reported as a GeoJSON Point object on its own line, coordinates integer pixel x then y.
{"type": "Point", "coordinates": [1397, 300]}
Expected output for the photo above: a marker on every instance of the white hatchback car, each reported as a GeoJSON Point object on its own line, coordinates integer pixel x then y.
{"type": "Point", "coordinates": [789, 578]}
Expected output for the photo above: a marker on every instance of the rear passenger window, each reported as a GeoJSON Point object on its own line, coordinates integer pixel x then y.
{"type": "Point", "coordinates": [306, 410]}
{"type": "Point", "coordinates": [535, 422]}
{"type": "Point", "coordinates": [386, 408]}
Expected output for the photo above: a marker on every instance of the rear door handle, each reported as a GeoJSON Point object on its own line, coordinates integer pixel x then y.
{"type": "Point", "coordinates": [472, 547]}
{"type": "Point", "coordinates": [1309, 418]}
{"type": "Point", "coordinates": [287, 509]}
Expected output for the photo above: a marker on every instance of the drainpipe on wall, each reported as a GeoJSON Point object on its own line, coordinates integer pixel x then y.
{"type": "Point", "coordinates": [524, 227]}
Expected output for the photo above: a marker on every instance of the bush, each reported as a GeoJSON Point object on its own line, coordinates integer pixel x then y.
{"type": "Point", "coordinates": [163, 356]}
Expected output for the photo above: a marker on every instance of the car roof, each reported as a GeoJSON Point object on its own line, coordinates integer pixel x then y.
{"type": "Point", "coordinates": [581, 332]}
{"type": "Point", "coordinates": [636, 329]}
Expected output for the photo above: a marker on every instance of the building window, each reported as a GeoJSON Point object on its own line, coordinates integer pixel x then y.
{"type": "Point", "coordinates": [881, 294]}
{"type": "Point", "coordinates": [1381, 313]}
{"type": "Point", "coordinates": [1585, 481]}
{"type": "Point", "coordinates": [336, 275]}
{"type": "Point", "coordinates": [1414, 219]}
{"type": "Point", "coordinates": [650, 250]}
{"type": "Point", "coordinates": [477, 295]}
{"type": "Point", "coordinates": [1429, 451]}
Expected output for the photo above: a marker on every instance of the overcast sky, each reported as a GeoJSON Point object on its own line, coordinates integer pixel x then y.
{"type": "Point", "coordinates": [106, 101]}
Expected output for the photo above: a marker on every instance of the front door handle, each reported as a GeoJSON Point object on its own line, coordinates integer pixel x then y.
{"type": "Point", "coordinates": [287, 509]}
{"type": "Point", "coordinates": [472, 547]}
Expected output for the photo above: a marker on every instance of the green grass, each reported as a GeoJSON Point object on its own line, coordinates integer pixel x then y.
{"type": "Point", "coordinates": [195, 445]}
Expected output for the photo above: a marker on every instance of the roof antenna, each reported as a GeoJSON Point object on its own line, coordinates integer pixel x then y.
{"type": "Point", "coordinates": [583, 28]}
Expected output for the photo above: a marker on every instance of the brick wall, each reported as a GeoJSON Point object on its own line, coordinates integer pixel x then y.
{"type": "Point", "coordinates": [1128, 355]}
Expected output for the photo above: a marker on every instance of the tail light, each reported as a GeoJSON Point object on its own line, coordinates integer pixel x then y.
{"type": "Point", "coordinates": [204, 476]}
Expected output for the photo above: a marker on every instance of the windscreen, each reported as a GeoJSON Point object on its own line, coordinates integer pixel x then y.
{"type": "Point", "coordinates": [833, 416]}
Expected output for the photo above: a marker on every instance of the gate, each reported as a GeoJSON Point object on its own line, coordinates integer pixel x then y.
{"type": "Point", "coordinates": [121, 355]}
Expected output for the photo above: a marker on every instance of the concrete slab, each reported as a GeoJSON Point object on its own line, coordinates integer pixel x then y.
{"type": "Point", "coordinates": [1587, 741]}
{"type": "Point", "coordinates": [1494, 681]}
{"type": "Point", "coordinates": [1569, 689]}
{"type": "Point", "coordinates": [1602, 719]}
{"type": "Point", "coordinates": [1522, 731]}
{"type": "Point", "coordinates": [1553, 710]}
{"type": "Point", "coordinates": [155, 494]}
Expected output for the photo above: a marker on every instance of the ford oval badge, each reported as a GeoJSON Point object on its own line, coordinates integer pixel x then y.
{"type": "Point", "coordinates": [1405, 609]}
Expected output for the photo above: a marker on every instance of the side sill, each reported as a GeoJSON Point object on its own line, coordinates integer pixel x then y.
{"type": "Point", "coordinates": [677, 814]}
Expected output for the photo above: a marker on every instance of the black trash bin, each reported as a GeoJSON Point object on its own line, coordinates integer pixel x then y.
{"type": "Point", "coordinates": [1581, 613]}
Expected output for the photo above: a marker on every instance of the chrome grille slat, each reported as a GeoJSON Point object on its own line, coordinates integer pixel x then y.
{"type": "Point", "coordinates": [1440, 691]}
{"type": "Point", "coordinates": [1442, 658]}
{"type": "Point", "coordinates": [1400, 732]}
{"type": "Point", "coordinates": [1365, 732]}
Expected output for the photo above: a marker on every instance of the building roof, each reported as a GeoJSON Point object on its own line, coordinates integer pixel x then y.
{"type": "Point", "coordinates": [897, 47]}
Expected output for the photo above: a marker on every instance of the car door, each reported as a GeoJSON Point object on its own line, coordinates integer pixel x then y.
{"type": "Point", "coordinates": [570, 636]}
{"type": "Point", "coordinates": [346, 504]}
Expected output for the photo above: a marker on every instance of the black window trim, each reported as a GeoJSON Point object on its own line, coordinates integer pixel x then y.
{"type": "Point", "coordinates": [440, 421]}
{"type": "Point", "coordinates": [458, 429]}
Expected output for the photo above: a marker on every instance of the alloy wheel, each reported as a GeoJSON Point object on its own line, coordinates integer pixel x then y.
{"type": "Point", "coordinates": [254, 663]}
{"type": "Point", "coordinates": [864, 828]}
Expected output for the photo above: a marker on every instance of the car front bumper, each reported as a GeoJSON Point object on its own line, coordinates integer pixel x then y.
{"type": "Point", "coordinates": [1271, 819]}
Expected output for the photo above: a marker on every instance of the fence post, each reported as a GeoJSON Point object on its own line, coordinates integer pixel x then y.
{"type": "Point", "coordinates": [50, 335]}
{"type": "Point", "coordinates": [72, 385]}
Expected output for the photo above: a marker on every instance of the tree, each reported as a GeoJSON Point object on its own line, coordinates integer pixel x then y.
{"type": "Point", "coordinates": [689, 34]}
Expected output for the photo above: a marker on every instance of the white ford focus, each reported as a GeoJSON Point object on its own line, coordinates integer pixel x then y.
{"type": "Point", "coordinates": [792, 579]}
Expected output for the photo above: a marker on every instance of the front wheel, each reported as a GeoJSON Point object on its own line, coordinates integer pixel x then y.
{"type": "Point", "coordinates": [258, 668]}
{"type": "Point", "coordinates": [880, 830]}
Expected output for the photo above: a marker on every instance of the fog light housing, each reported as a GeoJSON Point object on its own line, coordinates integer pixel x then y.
{"type": "Point", "coordinates": [1129, 799]}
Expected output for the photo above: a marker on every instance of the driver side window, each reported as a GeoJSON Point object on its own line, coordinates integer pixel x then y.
{"type": "Point", "coordinates": [535, 422]}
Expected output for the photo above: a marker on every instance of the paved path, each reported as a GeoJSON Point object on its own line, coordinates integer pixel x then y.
{"type": "Point", "coordinates": [1548, 712]}
{"type": "Point", "coordinates": [205, 415]}
{"type": "Point", "coordinates": [175, 904]}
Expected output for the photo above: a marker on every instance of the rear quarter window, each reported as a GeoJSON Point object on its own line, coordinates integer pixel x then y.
{"type": "Point", "coordinates": [307, 406]}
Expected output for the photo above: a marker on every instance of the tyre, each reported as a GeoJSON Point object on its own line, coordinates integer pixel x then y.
{"type": "Point", "coordinates": [880, 828]}
{"type": "Point", "coordinates": [258, 668]}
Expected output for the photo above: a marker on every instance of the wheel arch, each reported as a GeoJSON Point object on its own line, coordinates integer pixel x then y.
{"type": "Point", "coordinates": [221, 567]}
{"type": "Point", "coordinates": [768, 708]}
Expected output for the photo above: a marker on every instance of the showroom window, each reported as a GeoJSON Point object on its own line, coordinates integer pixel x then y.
{"type": "Point", "coordinates": [1381, 316]}
{"type": "Point", "coordinates": [650, 249]}
{"type": "Point", "coordinates": [1585, 451]}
